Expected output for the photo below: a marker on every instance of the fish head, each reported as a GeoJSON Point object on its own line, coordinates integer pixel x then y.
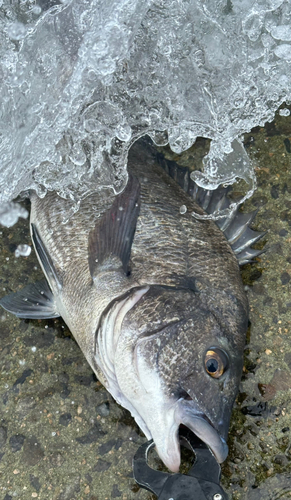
{"type": "Point", "coordinates": [187, 367]}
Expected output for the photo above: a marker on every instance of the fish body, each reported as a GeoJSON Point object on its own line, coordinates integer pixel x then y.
{"type": "Point", "coordinates": [153, 297]}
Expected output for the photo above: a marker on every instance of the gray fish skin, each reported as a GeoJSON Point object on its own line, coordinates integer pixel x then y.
{"type": "Point", "coordinates": [145, 325]}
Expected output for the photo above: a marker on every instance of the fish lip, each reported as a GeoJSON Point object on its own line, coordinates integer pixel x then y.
{"type": "Point", "coordinates": [166, 435]}
{"type": "Point", "coordinates": [202, 427]}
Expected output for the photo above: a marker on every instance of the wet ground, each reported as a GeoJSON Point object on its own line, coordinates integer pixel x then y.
{"type": "Point", "coordinates": [62, 437]}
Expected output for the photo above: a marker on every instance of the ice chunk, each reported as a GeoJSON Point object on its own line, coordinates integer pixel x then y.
{"type": "Point", "coordinates": [36, 10]}
{"type": "Point", "coordinates": [10, 212]}
{"type": "Point", "coordinates": [284, 112]}
{"type": "Point", "coordinates": [283, 51]}
{"type": "Point", "coordinates": [282, 32]}
{"type": "Point", "coordinates": [16, 31]}
{"type": "Point", "coordinates": [81, 81]}
{"type": "Point", "coordinates": [23, 250]}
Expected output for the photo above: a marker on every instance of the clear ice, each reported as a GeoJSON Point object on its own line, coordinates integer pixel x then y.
{"type": "Point", "coordinates": [81, 80]}
{"type": "Point", "coordinates": [22, 250]}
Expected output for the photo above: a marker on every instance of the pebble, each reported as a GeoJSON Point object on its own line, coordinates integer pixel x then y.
{"type": "Point", "coordinates": [65, 419]}
{"type": "Point", "coordinates": [34, 481]}
{"type": "Point", "coordinates": [23, 377]}
{"type": "Point", "coordinates": [103, 409]}
{"type": "Point", "coordinates": [85, 380]}
{"type": "Point", "coordinates": [32, 451]}
{"type": "Point", "coordinates": [92, 436]}
{"type": "Point", "coordinates": [285, 278]}
{"type": "Point", "coordinates": [111, 443]}
{"type": "Point", "coordinates": [3, 436]}
{"type": "Point", "coordinates": [115, 491]}
{"type": "Point", "coordinates": [281, 460]}
{"type": "Point", "coordinates": [16, 442]}
{"type": "Point", "coordinates": [39, 339]}
{"type": "Point", "coordinates": [101, 466]}
{"type": "Point", "coordinates": [275, 191]}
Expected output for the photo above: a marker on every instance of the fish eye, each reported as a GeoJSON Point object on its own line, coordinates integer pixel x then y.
{"type": "Point", "coordinates": [216, 362]}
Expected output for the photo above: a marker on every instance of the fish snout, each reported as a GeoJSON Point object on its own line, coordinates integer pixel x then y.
{"type": "Point", "coordinates": [166, 436]}
{"type": "Point", "coordinates": [189, 415]}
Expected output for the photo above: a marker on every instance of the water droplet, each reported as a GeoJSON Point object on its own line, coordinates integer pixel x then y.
{"type": "Point", "coordinates": [36, 10]}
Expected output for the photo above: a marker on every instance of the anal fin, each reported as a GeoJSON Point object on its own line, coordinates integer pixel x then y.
{"type": "Point", "coordinates": [111, 240]}
{"type": "Point", "coordinates": [35, 301]}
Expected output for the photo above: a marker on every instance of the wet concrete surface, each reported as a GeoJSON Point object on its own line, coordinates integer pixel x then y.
{"type": "Point", "coordinates": [63, 437]}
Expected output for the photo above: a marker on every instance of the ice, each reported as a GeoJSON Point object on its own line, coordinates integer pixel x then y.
{"type": "Point", "coordinates": [80, 81]}
{"type": "Point", "coordinates": [284, 112]}
{"type": "Point", "coordinates": [16, 31]}
{"type": "Point", "coordinates": [281, 32]}
{"type": "Point", "coordinates": [283, 51]}
{"type": "Point", "coordinates": [22, 250]}
{"type": "Point", "coordinates": [10, 213]}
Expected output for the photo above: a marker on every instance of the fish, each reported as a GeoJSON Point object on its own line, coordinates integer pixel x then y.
{"type": "Point", "coordinates": [152, 295]}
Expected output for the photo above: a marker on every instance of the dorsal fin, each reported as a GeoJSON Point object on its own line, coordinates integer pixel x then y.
{"type": "Point", "coordinates": [113, 234]}
{"type": "Point", "coordinates": [235, 226]}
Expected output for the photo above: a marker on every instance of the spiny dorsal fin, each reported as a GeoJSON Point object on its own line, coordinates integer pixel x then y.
{"type": "Point", "coordinates": [235, 226]}
{"type": "Point", "coordinates": [35, 301]}
{"type": "Point", "coordinates": [114, 232]}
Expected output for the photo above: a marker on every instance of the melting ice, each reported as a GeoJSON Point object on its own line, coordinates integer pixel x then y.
{"type": "Point", "coordinates": [80, 81]}
{"type": "Point", "coordinates": [22, 250]}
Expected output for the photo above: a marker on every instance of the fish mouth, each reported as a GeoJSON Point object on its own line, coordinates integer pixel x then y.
{"type": "Point", "coordinates": [199, 424]}
{"type": "Point", "coordinates": [167, 440]}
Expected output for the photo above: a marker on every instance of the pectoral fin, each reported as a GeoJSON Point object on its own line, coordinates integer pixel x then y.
{"type": "Point", "coordinates": [35, 301]}
{"type": "Point", "coordinates": [44, 258]}
{"type": "Point", "coordinates": [111, 240]}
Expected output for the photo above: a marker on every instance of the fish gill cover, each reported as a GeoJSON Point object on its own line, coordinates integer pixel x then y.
{"type": "Point", "coordinates": [81, 80]}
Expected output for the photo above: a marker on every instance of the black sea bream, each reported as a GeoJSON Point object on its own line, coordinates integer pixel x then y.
{"type": "Point", "coordinates": [153, 297]}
